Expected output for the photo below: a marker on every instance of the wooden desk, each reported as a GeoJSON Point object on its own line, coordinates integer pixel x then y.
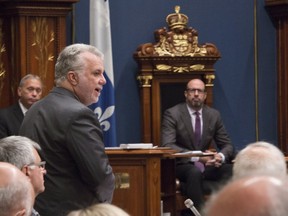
{"type": "Point", "coordinates": [138, 180]}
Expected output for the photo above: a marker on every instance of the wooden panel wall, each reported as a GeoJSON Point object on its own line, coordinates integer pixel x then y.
{"type": "Point", "coordinates": [32, 33]}
{"type": "Point", "coordinates": [278, 10]}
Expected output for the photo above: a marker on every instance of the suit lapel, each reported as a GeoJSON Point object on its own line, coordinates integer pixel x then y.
{"type": "Point", "coordinates": [188, 125]}
{"type": "Point", "coordinates": [18, 112]}
{"type": "Point", "coordinates": [205, 129]}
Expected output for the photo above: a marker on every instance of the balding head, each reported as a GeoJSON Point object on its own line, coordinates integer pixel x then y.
{"type": "Point", "coordinates": [251, 196]}
{"type": "Point", "coordinates": [16, 192]}
{"type": "Point", "coordinates": [260, 158]}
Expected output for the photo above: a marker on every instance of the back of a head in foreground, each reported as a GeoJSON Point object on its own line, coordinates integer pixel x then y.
{"type": "Point", "coordinates": [16, 192]}
{"type": "Point", "coordinates": [17, 150]}
{"type": "Point", "coordinates": [102, 209]}
{"type": "Point", "coordinates": [250, 196]}
{"type": "Point", "coordinates": [259, 158]}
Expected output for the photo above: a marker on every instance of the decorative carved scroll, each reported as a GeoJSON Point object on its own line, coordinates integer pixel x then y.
{"type": "Point", "coordinates": [42, 38]}
{"type": "Point", "coordinates": [179, 40]}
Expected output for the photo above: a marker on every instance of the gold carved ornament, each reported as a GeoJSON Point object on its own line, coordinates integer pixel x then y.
{"type": "Point", "coordinates": [178, 40]}
{"type": "Point", "coordinates": [180, 69]}
{"type": "Point", "coordinates": [209, 79]}
{"type": "Point", "coordinates": [145, 80]}
{"type": "Point", "coordinates": [42, 39]}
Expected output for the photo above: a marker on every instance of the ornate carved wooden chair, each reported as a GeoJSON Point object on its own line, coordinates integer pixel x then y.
{"type": "Point", "coordinates": [165, 67]}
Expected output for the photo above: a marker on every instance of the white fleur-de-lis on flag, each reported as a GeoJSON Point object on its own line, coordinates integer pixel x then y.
{"type": "Point", "coordinates": [105, 124]}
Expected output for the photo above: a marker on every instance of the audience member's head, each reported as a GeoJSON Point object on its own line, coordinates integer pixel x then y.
{"type": "Point", "coordinates": [250, 196]}
{"type": "Point", "coordinates": [16, 192]}
{"type": "Point", "coordinates": [22, 153]}
{"type": "Point", "coordinates": [103, 209]}
{"type": "Point", "coordinates": [30, 90]}
{"type": "Point", "coordinates": [259, 158]}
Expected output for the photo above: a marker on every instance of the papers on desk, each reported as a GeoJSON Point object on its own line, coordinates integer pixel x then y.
{"type": "Point", "coordinates": [194, 153]}
{"type": "Point", "coordinates": [136, 146]}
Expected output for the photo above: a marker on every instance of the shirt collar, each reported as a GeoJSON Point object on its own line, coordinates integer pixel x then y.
{"type": "Point", "coordinates": [34, 213]}
{"type": "Point", "coordinates": [191, 111]}
{"type": "Point", "coordinates": [23, 108]}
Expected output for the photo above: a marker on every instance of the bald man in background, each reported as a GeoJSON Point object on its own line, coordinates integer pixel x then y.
{"type": "Point", "coordinates": [261, 195]}
{"type": "Point", "coordinates": [16, 192]}
{"type": "Point", "coordinates": [179, 132]}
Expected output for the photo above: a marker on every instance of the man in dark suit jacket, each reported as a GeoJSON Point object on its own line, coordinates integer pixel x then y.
{"type": "Point", "coordinates": [29, 92]}
{"type": "Point", "coordinates": [70, 135]}
{"type": "Point", "coordinates": [178, 128]}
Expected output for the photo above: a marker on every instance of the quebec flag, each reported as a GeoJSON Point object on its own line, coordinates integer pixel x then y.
{"type": "Point", "coordinates": [100, 36]}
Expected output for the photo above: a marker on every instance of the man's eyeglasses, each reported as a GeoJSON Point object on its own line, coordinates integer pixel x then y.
{"type": "Point", "coordinates": [40, 165]}
{"type": "Point", "coordinates": [193, 91]}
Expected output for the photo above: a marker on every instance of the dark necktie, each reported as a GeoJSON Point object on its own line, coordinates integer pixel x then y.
{"type": "Point", "coordinates": [197, 135]}
{"type": "Point", "coordinates": [197, 128]}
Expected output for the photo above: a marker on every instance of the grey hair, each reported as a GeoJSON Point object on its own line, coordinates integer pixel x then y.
{"type": "Point", "coordinates": [17, 193]}
{"type": "Point", "coordinates": [262, 158]}
{"type": "Point", "coordinates": [273, 202]}
{"type": "Point", "coordinates": [278, 201]}
{"type": "Point", "coordinates": [70, 59]}
{"type": "Point", "coordinates": [18, 150]}
{"type": "Point", "coordinates": [100, 210]}
{"type": "Point", "coordinates": [28, 77]}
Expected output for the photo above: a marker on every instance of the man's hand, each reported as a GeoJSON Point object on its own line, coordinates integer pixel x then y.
{"type": "Point", "coordinates": [206, 159]}
{"type": "Point", "coordinates": [216, 160]}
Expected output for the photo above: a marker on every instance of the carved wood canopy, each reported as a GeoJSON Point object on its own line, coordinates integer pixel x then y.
{"type": "Point", "coordinates": [168, 64]}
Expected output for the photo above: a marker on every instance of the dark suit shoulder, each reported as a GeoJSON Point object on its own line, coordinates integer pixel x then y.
{"type": "Point", "coordinates": [10, 120]}
{"type": "Point", "coordinates": [62, 103]}
{"type": "Point", "coordinates": [210, 110]}
{"type": "Point", "coordinates": [14, 111]}
{"type": "Point", "coordinates": [177, 107]}
{"type": "Point", "coordinates": [15, 106]}
{"type": "Point", "coordinates": [177, 110]}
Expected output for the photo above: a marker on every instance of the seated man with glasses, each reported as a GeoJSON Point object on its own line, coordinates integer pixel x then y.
{"type": "Point", "coordinates": [191, 126]}
{"type": "Point", "coordinates": [22, 153]}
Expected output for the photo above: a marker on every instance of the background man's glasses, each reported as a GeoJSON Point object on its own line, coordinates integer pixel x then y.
{"type": "Point", "coordinates": [193, 91]}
